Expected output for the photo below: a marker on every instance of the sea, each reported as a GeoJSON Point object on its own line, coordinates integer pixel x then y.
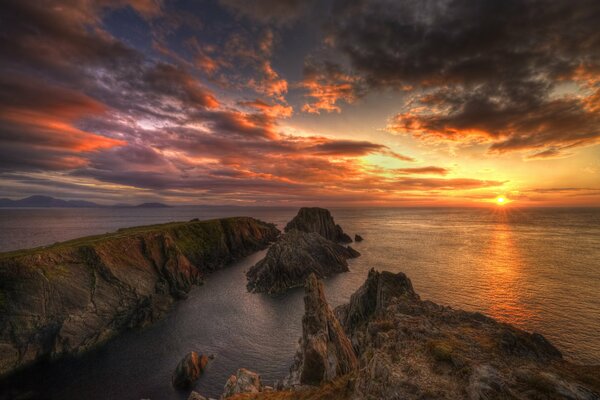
{"type": "Point", "coordinates": [535, 268]}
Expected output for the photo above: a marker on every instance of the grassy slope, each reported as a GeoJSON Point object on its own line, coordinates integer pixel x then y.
{"type": "Point", "coordinates": [181, 230]}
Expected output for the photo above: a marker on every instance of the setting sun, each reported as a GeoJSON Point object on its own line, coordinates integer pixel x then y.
{"type": "Point", "coordinates": [501, 201]}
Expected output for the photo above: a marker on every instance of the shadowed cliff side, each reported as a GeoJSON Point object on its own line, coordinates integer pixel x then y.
{"type": "Point", "coordinates": [293, 258]}
{"type": "Point", "coordinates": [324, 351]}
{"type": "Point", "coordinates": [64, 299]}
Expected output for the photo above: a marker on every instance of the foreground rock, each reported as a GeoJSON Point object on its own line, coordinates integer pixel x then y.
{"type": "Point", "coordinates": [358, 238]}
{"type": "Point", "coordinates": [244, 381]}
{"type": "Point", "coordinates": [324, 351]}
{"type": "Point", "coordinates": [318, 220]}
{"type": "Point", "coordinates": [413, 349]}
{"type": "Point", "coordinates": [67, 298]}
{"type": "Point", "coordinates": [189, 370]}
{"type": "Point", "coordinates": [293, 258]}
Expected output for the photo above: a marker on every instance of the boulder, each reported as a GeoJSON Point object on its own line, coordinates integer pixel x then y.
{"type": "Point", "coordinates": [318, 220]}
{"type": "Point", "coordinates": [244, 381]}
{"type": "Point", "coordinates": [293, 258]}
{"type": "Point", "coordinates": [189, 370]}
{"type": "Point", "coordinates": [196, 396]}
{"type": "Point", "coordinates": [358, 238]}
{"type": "Point", "coordinates": [325, 352]}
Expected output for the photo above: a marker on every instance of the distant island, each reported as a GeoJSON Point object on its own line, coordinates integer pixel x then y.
{"type": "Point", "coordinates": [51, 202]}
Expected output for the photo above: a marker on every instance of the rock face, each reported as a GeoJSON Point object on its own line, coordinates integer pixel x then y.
{"type": "Point", "coordinates": [66, 298]}
{"type": "Point", "coordinates": [244, 381]}
{"type": "Point", "coordinates": [189, 370]}
{"type": "Point", "coordinates": [324, 352]}
{"type": "Point", "coordinates": [318, 220]}
{"type": "Point", "coordinates": [293, 258]}
{"type": "Point", "coordinates": [415, 349]}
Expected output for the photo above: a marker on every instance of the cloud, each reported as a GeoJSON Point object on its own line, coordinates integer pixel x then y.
{"type": "Point", "coordinates": [39, 125]}
{"type": "Point", "coordinates": [327, 85]}
{"type": "Point", "coordinates": [279, 12]}
{"type": "Point", "coordinates": [422, 170]}
{"type": "Point", "coordinates": [520, 75]}
{"type": "Point", "coordinates": [169, 80]}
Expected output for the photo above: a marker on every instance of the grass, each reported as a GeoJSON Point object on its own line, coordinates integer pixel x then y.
{"type": "Point", "coordinates": [182, 230]}
{"type": "Point", "coordinates": [339, 389]}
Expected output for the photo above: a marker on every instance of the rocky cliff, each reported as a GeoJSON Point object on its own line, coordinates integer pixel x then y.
{"type": "Point", "coordinates": [293, 258]}
{"type": "Point", "coordinates": [413, 349]}
{"type": "Point", "coordinates": [324, 351]}
{"type": "Point", "coordinates": [319, 220]}
{"type": "Point", "coordinates": [66, 298]}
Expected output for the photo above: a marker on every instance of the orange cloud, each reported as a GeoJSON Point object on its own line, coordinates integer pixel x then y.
{"type": "Point", "coordinates": [327, 86]}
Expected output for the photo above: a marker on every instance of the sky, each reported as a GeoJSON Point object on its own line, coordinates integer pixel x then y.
{"type": "Point", "coordinates": [289, 102]}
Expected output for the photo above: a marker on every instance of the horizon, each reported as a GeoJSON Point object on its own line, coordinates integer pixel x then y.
{"type": "Point", "coordinates": [289, 103]}
{"type": "Point", "coordinates": [503, 208]}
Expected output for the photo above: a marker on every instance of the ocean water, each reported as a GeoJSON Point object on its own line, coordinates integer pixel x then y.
{"type": "Point", "coordinates": [538, 269]}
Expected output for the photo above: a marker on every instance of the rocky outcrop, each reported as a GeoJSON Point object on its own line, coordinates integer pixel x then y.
{"type": "Point", "coordinates": [413, 349]}
{"type": "Point", "coordinates": [196, 396]}
{"type": "Point", "coordinates": [324, 352]}
{"type": "Point", "coordinates": [189, 370]}
{"type": "Point", "coordinates": [293, 258]}
{"type": "Point", "coordinates": [318, 220]}
{"type": "Point", "coordinates": [66, 298]}
{"type": "Point", "coordinates": [244, 381]}
{"type": "Point", "coordinates": [358, 238]}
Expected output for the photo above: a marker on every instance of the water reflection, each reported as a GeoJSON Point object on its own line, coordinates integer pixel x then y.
{"type": "Point", "coordinates": [504, 273]}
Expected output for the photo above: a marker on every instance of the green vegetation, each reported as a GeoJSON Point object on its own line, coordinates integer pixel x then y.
{"type": "Point", "coordinates": [186, 234]}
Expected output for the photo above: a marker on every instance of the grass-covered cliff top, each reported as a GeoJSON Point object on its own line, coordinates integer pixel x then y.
{"type": "Point", "coordinates": [180, 229]}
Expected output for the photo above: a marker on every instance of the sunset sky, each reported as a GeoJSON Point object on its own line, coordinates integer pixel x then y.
{"type": "Point", "coordinates": [273, 102]}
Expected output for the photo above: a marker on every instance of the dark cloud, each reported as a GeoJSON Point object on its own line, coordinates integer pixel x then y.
{"type": "Point", "coordinates": [38, 125]}
{"type": "Point", "coordinates": [483, 70]}
{"type": "Point", "coordinates": [279, 12]}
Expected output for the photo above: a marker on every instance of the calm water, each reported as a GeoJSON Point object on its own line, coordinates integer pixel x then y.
{"type": "Point", "coordinates": [538, 269]}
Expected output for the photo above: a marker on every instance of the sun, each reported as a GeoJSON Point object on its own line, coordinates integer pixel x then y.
{"type": "Point", "coordinates": [500, 201]}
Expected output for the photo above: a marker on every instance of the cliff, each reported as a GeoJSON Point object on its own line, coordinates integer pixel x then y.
{"type": "Point", "coordinates": [319, 220]}
{"type": "Point", "coordinates": [66, 298]}
{"type": "Point", "coordinates": [293, 258]}
{"type": "Point", "coordinates": [413, 349]}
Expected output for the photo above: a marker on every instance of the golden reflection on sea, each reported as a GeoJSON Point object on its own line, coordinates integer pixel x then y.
{"type": "Point", "coordinates": [504, 273]}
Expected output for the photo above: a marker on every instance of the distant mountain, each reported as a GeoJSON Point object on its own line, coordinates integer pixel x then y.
{"type": "Point", "coordinates": [46, 201]}
{"type": "Point", "coordinates": [152, 205]}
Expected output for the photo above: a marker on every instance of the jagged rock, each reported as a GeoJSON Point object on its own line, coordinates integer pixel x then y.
{"type": "Point", "coordinates": [196, 396]}
{"type": "Point", "coordinates": [325, 352]}
{"type": "Point", "coordinates": [358, 238]}
{"type": "Point", "coordinates": [374, 294]}
{"type": "Point", "coordinates": [66, 298]}
{"type": "Point", "coordinates": [319, 220]}
{"type": "Point", "coordinates": [293, 258]}
{"type": "Point", "coordinates": [244, 381]}
{"type": "Point", "coordinates": [189, 370]}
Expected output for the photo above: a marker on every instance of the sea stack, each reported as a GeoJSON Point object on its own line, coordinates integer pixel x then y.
{"type": "Point", "coordinates": [189, 370]}
{"type": "Point", "coordinates": [319, 220]}
{"type": "Point", "coordinates": [325, 352]}
{"type": "Point", "coordinates": [293, 258]}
